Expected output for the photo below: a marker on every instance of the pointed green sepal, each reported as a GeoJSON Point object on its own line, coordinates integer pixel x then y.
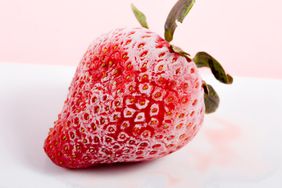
{"type": "Point", "coordinates": [177, 13]}
{"type": "Point", "coordinates": [205, 87]}
{"type": "Point", "coordinates": [178, 50]}
{"type": "Point", "coordinates": [211, 99]}
{"type": "Point", "coordinates": [140, 16]}
{"type": "Point", "coordinates": [203, 59]}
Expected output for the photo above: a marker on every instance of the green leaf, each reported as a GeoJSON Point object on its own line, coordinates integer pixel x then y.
{"type": "Point", "coordinates": [203, 59]}
{"type": "Point", "coordinates": [178, 50]}
{"type": "Point", "coordinates": [177, 13]}
{"type": "Point", "coordinates": [211, 100]}
{"type": "Point", "coordinates": [205, 87]}
{"type": "Point", "coordinates": [140, 16]}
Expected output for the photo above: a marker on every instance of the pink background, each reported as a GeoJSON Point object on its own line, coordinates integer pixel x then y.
{"type": "Point", "coordinates": [246, 36]}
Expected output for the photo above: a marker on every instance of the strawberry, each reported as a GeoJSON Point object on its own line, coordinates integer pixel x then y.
{"type": "Point", "coordinates": [134, 97]}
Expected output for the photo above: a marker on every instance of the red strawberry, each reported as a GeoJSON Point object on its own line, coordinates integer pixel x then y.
{"type": "Point", "coordinates": [134, 97]}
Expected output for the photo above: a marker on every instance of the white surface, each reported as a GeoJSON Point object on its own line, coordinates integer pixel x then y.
{"type": "Point", "coordinates": [238, 146]}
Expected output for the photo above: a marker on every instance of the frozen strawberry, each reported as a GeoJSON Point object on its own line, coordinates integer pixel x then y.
{"type": "Point", "coordinates": [134, 97]}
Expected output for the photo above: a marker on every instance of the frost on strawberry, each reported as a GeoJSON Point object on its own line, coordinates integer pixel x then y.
{"type": "Point", "coordinates": [133, 98]}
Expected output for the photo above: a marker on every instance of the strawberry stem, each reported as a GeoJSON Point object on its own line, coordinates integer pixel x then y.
{"type": "Point", "coordinates": [177, 13]}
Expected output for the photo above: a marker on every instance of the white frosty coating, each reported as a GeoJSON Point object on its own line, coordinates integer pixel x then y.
{"type": "Point", "coordinates": [179, 125]}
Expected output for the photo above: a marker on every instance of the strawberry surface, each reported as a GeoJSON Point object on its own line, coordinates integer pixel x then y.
{"type": "Point", "coordinates": [132, 99]}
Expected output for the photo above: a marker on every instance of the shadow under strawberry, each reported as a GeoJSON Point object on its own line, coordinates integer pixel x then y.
{"type": "Point", "coordinates": [115, 168]}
